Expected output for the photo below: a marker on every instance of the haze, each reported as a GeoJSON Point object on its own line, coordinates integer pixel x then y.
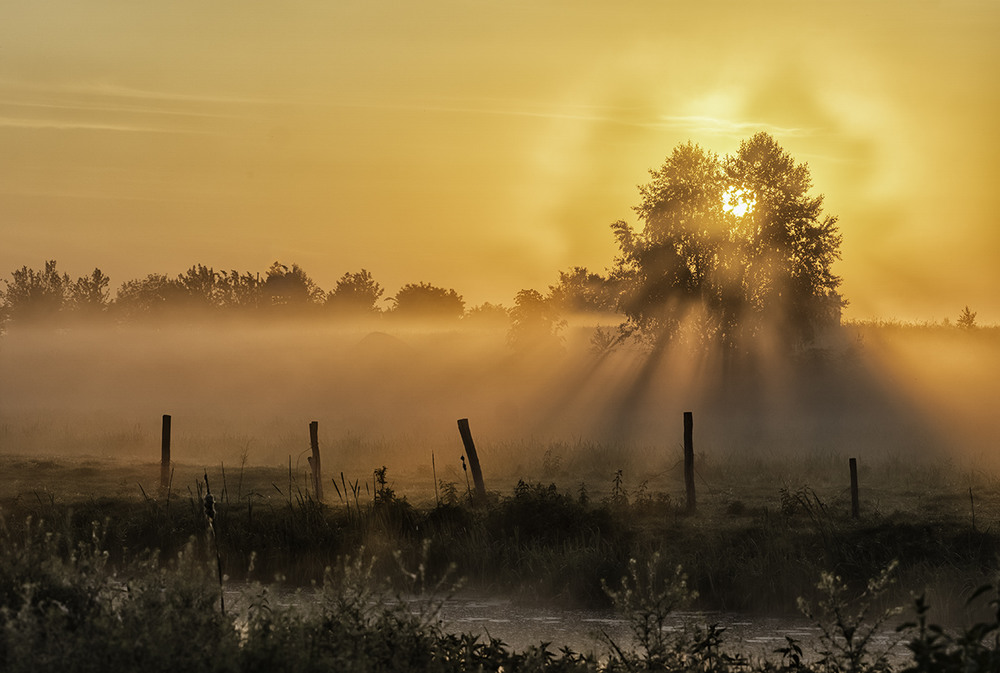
{"type": "Point", "coordinates": [485, 146]}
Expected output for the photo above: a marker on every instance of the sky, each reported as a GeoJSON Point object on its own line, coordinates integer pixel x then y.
{"type": "Point", "coordinates": [484, 145]}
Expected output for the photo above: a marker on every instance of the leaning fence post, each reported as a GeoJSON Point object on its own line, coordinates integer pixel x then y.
{"type": "Point", "coordinates": [314, 461]}
{"type": "Point", "coordinates": [165, 454]}
{"type": "Point", "coordinates": [470, 451]}
{"type": "Point", "coordinates": [855, 504]}
{"type": "Point", "coordinates": [689, 459]}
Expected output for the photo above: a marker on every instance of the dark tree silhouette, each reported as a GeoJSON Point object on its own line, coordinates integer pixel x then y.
{"type": "Point", "coordinates": [967, 319]}
{"type": "Point", "coordinates": [149, 296]}
{"type": "Point", "coordinates": [90, 295]}
{"type": "Point", "coordinates": [290, 287]}
{"type": "Point", "coordinates": [424, 300]}
{"type": "Point", "coordinates": [788, 246]}
{"type": "Point", "coordinates": [728, 273]}
{"type": "Point", "coordinates": [33, 296]}
{"type": "Point", "coordinates": [582, 291]}
{"type": "Point", "coordinates": [240, 290]}
{"type": "Point", "coordinates": [535, 322]}
{"type": "Point", "coordinates": [201, 287]}
{"type": "Point", "coordinates": [355, 294]}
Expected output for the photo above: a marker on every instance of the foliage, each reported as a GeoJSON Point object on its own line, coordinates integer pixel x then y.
{"type": "Point", "coordinates": [967, 319]}
{"type": "Point", "coordinates": [725, 274]}
{"type": "Point", "coordinates": [535, 323]}
{"type": "Point", "coordinates": [355, 293]}
{"type": "Point", "coordinates": [423, 300]}
{"type": "Point", "coordinates": [42, 296]}
{"type": "Point", "coordinates": [70, 601]}
{"type": "Point", "coordinates": [581, 291]}
{"type": "Point", "coordinates": [90, 294]}
{"type": "Point", "coordinates": [148, 296]}
{"type": "Point", "coordinates": [975, 650]}
{"type": "Point", "coordinates": [846, 629]}
{"type": "Point", "coordinates": [487, 314]}
{"type": "Point", "coordinates": [290, 287]}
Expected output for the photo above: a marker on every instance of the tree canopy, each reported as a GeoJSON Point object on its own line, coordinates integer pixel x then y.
{"type": "Point", "coordinates": [729, 247]}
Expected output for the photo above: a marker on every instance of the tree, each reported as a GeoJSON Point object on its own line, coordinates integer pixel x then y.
{"type": "Point", "coordinates": [90, 295]}
{"type": "Point", "coordinates": [240, 290]}
{"type": "Point", "coordinates": [671, 266]}
{"type": "Point", "coordinates": [201, 287]}
{"type": "Point", "coordinates": [967, 319]}
{"type": "Point", "coordinates": [356, 294]}
{"type": "Point", "coordinates": [423, 300]}
{"type": "Point", "coordinates": [487, 315]}
{"type": "Point", "coordinates": [149, 296]}
{"type": "Point", "coordinates": [581, 291]}
{"type": "Point", "coordinates": [788, 245]}
{"type": "Point", "coordinates": [36, 296]}
{"type": "Point", "coordinates": [290, 287]}
{"type": "Point", "coordinates": [535, 322]}
{"type": "Point", "coordinates": [730, 248]}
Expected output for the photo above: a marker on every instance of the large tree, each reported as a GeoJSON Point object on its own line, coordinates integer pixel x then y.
{"type": "Point", "coordinates": [728, 248]}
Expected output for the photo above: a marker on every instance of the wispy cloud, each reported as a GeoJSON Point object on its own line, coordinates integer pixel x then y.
{"type": "Point", "coordinates": [729, 127]}
{"type": "Point", "coordinates": [70, 125]}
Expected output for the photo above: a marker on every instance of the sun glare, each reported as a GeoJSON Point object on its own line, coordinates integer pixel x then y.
{"type": "Point", "coordinates": [739, 202]}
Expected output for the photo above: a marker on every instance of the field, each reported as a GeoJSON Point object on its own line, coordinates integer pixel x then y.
{"type": "Point", "coordinates": [573, 495]}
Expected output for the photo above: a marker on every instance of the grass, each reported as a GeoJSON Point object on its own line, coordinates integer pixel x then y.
{"type": "Point", "coordinates": [762, 533]}
{"type": "Point", "coordinates": [66, 607]}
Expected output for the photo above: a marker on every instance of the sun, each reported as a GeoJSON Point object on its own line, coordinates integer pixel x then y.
{"type": "Point", "coordinates": [739, 202]}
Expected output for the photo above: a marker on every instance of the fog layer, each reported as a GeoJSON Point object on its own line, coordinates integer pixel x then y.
{"type": "Point", "coordinates": [393, 397]}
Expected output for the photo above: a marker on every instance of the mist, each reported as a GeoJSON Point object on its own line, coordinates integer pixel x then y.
{"type": "Point", "coordinates": [390, 394]}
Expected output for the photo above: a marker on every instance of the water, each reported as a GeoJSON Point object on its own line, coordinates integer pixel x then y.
{"type": "Point", "coordinates": [588, 631]}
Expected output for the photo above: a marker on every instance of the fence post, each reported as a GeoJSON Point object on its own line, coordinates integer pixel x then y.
{"type": "Point", "coordinates": [855, 504]}
{"type": "Point", "coordinates": [470, 451]}
{"type": "Point", "coordinates": [689, 459]}
{"type": "Point", "coordinates": [314, 461]}
{"type": "Point", "coordinates": [165, 454]}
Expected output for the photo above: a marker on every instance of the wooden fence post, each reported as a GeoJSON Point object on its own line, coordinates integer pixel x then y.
{"type": "Point", "coordinates": [689, 459]}
{"type": "Point", "coordinates": [470, 451]}
{"type": "Point", "coordinates": [165, 454]}
{"type": "Point", "coordinates": [314, 461]}
{"type": "Point", "coordinates": [855, 503]}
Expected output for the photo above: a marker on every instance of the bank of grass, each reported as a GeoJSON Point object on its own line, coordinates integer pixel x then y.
{"type": "Point", "coordinates": [762, 533]}
{"type": "Point", "coordinates": [65, 607]}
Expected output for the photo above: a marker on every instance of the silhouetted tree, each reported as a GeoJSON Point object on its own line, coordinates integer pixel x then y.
{"type": "Point", "coordinates": [535, 322]}
{"type": "Point", "coordinates": [581, 291]}
{"type": "Point", "coordinates": [240, 290]}
{"type": "Point", "coordinates": [290, 287]}
{"type": "Point", "coordinates": [787, 245]}
{"type": "Point", "coordinates": [90, 295]}
{"type": "Point", "coordinates": [967, 319]}
{"type": "Point", "coordinates": [423, 300]}
{"type": "Point", "coordinates": [355, 294]}
{"type": "Point", "coordinates": [487, 315]}
{"type": "Point", "coordinates": [149, 296]}
{"type": "Point", "coordinates": [201, 287]}
{"type": "Point", "coordinates": [36, 296]}
{"type": "Point", "coordinates": [729, 272]}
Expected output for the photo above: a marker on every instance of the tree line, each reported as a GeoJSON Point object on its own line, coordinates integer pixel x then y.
{"type": "Point", "coordinates": [725, 250]}
{"type": "Point", "coordinates": [46, 296]}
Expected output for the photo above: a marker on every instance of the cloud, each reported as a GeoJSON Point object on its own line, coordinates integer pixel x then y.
{"type": "Point", "coordinates": [40, 124]}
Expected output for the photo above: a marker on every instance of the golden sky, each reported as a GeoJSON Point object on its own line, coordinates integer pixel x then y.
{"type": "Point", "coordinates": [485, 145]}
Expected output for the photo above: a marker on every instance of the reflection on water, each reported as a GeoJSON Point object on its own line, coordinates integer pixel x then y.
{"type": "Point", "coordinates": [587, 630]}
